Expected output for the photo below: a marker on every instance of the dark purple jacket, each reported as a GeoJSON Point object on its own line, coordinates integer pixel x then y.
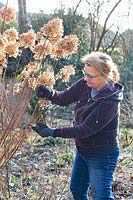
{"type": "Point", "coordinates": [96, 119]}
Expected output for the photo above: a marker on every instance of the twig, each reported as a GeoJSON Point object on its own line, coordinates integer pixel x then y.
{"type": "Point", "coordinates": [9, 127]}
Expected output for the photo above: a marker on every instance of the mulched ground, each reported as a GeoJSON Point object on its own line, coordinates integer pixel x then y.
{"type": "Point", "coordinates": [42, 172]}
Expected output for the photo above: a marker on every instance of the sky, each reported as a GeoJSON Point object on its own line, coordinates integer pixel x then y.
{"type": "Point", "coordinates": [119, 17]}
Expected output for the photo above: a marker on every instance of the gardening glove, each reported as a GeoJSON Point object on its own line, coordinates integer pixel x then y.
{"type": "Point", "coordinates": [44, 92]}
{"type": "Point", "coordinates": [43, 130]}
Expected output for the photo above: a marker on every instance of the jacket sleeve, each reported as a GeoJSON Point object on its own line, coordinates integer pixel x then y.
{"type": "Point", "coordinates": [69, 95]}
{"type": "Point", "coordinates": [94, 122]}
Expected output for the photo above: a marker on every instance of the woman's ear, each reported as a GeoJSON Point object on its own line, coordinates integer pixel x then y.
{"type": "Point", "coordinates": [106, 78]}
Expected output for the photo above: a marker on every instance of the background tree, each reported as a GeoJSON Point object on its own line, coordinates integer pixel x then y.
{"type": "Point", "coordinates": [22, 16]}
{"type": "Point", "coordinates": [100, 36]}
{"type": "Point", "coordinates": [126, 70]}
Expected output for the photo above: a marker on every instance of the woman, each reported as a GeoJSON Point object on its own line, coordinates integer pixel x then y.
{"type": "Point", "coordinates": [97, 96]}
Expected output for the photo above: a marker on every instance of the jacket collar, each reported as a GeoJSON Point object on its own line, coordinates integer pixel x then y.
{"type": "Point", "coordinates": [112, 91]}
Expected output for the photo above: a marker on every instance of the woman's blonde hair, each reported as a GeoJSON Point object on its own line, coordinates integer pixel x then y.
{"type": "Point", "coordinates": [103, 63]}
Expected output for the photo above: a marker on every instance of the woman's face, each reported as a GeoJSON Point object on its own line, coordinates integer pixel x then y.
{"type": "Point", "coordinates": [93, 77]}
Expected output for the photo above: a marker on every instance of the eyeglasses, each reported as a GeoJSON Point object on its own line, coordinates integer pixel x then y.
{"type": "Point", "coordinates": [89, 76]}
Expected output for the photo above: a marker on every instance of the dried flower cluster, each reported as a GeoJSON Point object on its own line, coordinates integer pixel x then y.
{"type": "Point", "coordinates": [27, 39]}
{"type": "Point", "coordinates": [16, 87]}
{"type": "Point", "coordinates": [46, 78]}
{"type": "Point", "coordinates": [65, 47]}
{"type": "Point", "coordinates": [42, 49]}
{"type": "Point", "coordinates": [42, 103]}
{"type": "Point", "coordinates": [66, 72]}
{"type": "Point", "coordinates": [30, 69]}
{"type": "Point", "coordinates": [7, 14]}
{"type": "Point", "coordinates": [53, 30]}
{"type": "Point", "coordinates": [11, 34]}
{"type": "Point", "coordinates": [12, 49]}
{"type": "Point", "coordinates": [2, 60]}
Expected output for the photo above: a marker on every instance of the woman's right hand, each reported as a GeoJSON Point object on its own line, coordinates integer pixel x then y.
{"type": "Point", "coordinates": [44, 92]}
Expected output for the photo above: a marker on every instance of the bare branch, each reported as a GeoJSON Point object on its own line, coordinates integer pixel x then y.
{"type": "Point", "coordinates": [77, 6]}
{"type": "Point", "coordinates": [113, 40]}
{"type": "Point", "coordinates": [105, 24]}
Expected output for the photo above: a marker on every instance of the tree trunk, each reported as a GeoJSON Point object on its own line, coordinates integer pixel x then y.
{"type": "Point", "coordinates": [22, 16]}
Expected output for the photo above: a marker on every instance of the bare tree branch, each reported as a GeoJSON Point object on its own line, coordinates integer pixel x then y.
{"type": "Point", "coordinates": [113, 40]}
{"type": "Point", "coordinates": [105, 24]}
{"type": "Point", "coordinates": [77, 6]}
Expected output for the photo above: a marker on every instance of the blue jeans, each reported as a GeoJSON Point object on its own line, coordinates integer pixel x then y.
{"type": "Point", "coordinates": [93, 170]}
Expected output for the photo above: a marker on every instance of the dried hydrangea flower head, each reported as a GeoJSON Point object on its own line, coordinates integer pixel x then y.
{"type": "Point", "coordinates": [11, 34]}
{"type": "Point", "coordinates": [42, 103]}
{"type": "Point", "coordinates": [17, 87]}
{"type": "Point", "coordinates": [27, 40]}
{"type": "Point", "coordinates": [32, 82]}
{"type": "Point", "coordinates": [33, 67]}
{"type": "Point", "coordinates": [40, 37]}
{"type": "Point", "coordinates": [66, 46]}
{"type": "Point", "coordinates": [46, 78]}
{"type": "Point", "coordinates": [42, 49]}
{"type": "Point", "coordinates": [30, 69]}
{"type": "Point", "coordinates": [65, 73]}
{"type": "Point", "coordinates": [3, 42]}
{"type": "Point", "coordinates": [53, 30]}
{"type": "Point", "coordinates": [7, 14]}
{"type": "Point", "coordinates": [3, 59]}
{"type": "Point", "coordinates": [12, 49]}
{"type": "Point", "coordinates": [69, 44]}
